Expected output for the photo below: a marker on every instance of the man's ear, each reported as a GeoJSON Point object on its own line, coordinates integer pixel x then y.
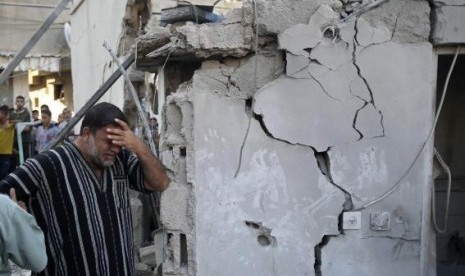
{"type": "Point", "coordinates": [86, 132]}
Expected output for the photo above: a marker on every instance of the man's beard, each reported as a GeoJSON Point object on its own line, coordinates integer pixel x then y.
{"type": "Point", "coordinates": [95, 157]}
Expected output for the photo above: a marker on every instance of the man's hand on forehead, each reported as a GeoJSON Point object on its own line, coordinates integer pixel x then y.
{"type": "Point", "coordinates": [121, 135]}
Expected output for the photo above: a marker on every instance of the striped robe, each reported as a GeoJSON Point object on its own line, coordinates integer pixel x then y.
{"type": "Point", "coordinates": [86, 221]}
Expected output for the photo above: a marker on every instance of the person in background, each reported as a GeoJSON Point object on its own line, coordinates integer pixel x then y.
{"type": "Point", "coordinates": [21, 115]}
{"type": "Point", "coordinates": [35, 116]}
{"type": "Point", "coordinates": [7, 133]}
{"type": "Point", "coordinates": [67, 115]}
{"type": "Point", "coordinates": [35, 120]}
{"type": "Point", "coordinates": [79, 194]}
{"type": "Point", "coordinates": [21, 239]}
{"type": "Point", "coordinates": [45, 132]}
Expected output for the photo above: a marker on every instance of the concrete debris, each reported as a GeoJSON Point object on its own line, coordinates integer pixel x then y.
{"type": "Point", "coordinates": [296, 65]}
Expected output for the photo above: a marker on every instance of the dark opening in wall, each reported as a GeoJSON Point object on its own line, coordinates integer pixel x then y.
{"type": "Point", "coordinates": [183, 249]}
{"type": "Point", "coordinates": [449, 140]}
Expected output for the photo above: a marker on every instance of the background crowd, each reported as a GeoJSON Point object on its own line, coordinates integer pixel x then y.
{"type": "Point", "coordinates": [34, 136]}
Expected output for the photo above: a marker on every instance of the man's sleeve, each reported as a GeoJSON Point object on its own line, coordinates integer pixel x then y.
{"type": "Point", "coordinates": [25, 179]}
{"type": "Point", "coordinates": [26, 244]}
{"type": "Point", "coordinates": [135, 175]}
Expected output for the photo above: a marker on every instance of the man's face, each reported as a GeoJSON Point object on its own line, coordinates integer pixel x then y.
{"type": "Point", "coordinates": [19, 103]}
{"type": "Point", "coordinates": [3, 116]}
{"type": "Point", "coordinates": [66, 114]}
{"type": "Point", "coordinates": [35, 115]}
{"type": "Point", "coordinates": [46, 119]}
{"type": "Point", "coordinates": [101, 151]}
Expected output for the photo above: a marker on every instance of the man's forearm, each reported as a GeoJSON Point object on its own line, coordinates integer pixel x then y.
{"type": "Point", "coordinates": [154, 173]}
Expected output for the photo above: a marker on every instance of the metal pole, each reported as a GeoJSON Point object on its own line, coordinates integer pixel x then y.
{"type": "Point", "coordinates": [142, 113]}
{"type": "Point", "coordinates": [40, 32]}
{"type": "Point", "coordinates": [97, 95]}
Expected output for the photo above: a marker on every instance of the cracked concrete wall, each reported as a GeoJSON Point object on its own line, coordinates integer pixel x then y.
{"type": "Point", "coordinates": [278, 144]}
{"type": "Point", "coordinates": [361, 92]}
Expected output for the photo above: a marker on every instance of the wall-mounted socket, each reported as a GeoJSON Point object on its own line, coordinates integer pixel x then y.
{"type": "Point", "coordinates": [351, 220]}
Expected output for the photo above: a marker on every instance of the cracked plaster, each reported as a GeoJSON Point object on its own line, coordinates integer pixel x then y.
{"type": "Point", "coordinates": [370, 167]}
{"type": "Point", "coordinates": [278, 185]}
{"type": "Point", "coordinates": [322, 121]}
{"type": "Point", "coordinates": [399, 253]}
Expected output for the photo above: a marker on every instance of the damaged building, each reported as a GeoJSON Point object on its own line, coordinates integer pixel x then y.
{"type": "Point", "coordinates": [299, 136]}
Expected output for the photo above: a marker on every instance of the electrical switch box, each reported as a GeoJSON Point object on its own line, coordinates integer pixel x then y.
{"type": "Point", "coordinates": [351, 220]}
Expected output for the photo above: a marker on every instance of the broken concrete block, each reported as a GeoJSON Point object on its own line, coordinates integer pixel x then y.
{"type": "Point", "coordinates": [450, 25]}
{"type": "Point", "coordinates": [147, 255]}
{"type": "Point", "coordinates": [233, 16]}
{"type": "Point", "coordinates": [286, 100]}
{"type": "Point", "coordinates": [136, 211]}
{"type": "Point", "coordinates": [367, 35]}
{"type": "Point", "coordinates": [174, 206]}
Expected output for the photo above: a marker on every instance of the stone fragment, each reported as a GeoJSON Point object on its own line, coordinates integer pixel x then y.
{"type": "Point", "coordinates": [367, 35]}
{"type": "Point", "coordinates": [359, 89]}
{"type": "Point", "coordinates": [332, 54]}
{"type": "Point", "coordinates": [299, 37]}
{"type": "Point", "coordinates": [337, 83]}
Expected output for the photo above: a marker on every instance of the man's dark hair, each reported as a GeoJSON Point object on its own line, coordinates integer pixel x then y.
{"type": "Point", "coordinates": [43, 107]}
{"type": "Point", "coordinates": [101, 115]}
{"type": "Point", "coordinates": [4, 109]}
{"type": "Point", "coordinates": [20, 97]}
{"type": "Point", "coordinates": [35, 111]}
{"type": "Point", "coordinates": [48, 112]}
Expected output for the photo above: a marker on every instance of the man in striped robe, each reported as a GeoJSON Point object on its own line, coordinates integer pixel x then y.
{"type": "Point", "coordinates": [78, 193]}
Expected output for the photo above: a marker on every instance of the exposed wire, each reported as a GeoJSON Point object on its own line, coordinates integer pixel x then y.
{"type": "Point", "coordinates": [433, 196]}
{"type": "Point", "coordinates": [396, 185]}
{"type": "Point", "coordinates": [255, 18]}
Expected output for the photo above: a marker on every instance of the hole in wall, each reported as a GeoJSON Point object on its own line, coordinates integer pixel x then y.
{"type": "Point", "coordinates": [263, 240]}
{"type": "Point", "coordinates": [183, 249]}
{"type": "Point", "coordinates": [183, 151]}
